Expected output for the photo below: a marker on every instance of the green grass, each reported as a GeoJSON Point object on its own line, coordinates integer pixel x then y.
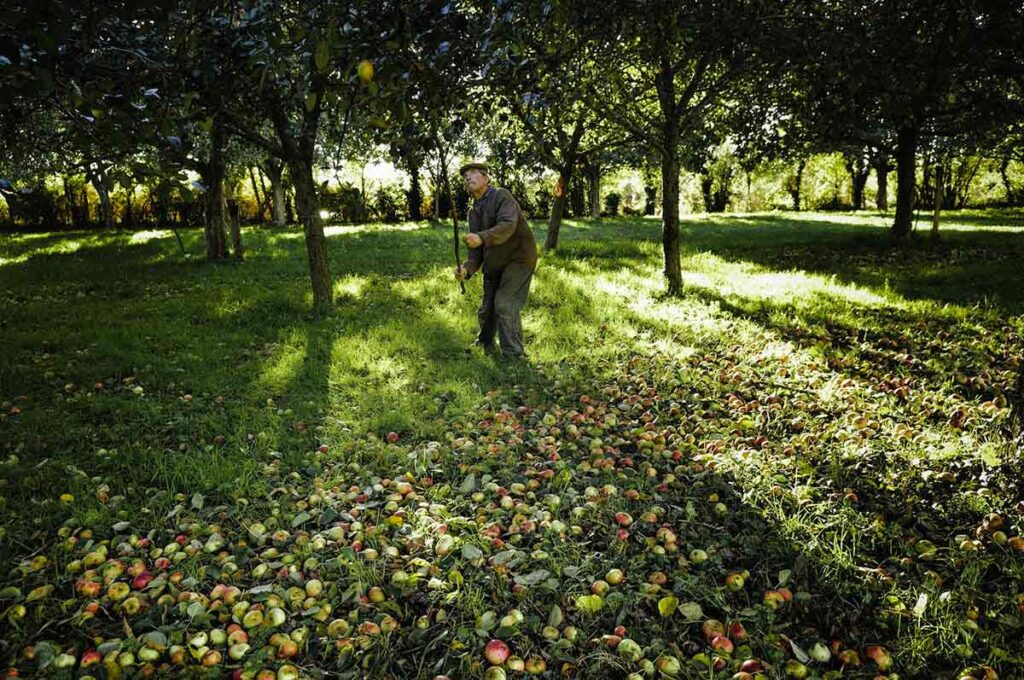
{"type": "Point", "coordinates": [153, 380]}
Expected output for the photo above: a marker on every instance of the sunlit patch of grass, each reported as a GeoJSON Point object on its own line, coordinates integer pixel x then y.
{"type": "Point", "coordinates": [351, 286]}
{"type": "Point", "coordinates": [144, 236]}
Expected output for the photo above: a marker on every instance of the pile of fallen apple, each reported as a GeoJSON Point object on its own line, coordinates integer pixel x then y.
{"type": "Point", "coordinates": [600, 534]}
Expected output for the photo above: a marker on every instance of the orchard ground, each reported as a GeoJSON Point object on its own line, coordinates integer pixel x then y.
{"type": "Point", "coordinates": [808, 442]}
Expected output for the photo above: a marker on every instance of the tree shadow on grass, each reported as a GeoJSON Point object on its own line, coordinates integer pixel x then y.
{"type": "Point", "coordinates": [966, 267]}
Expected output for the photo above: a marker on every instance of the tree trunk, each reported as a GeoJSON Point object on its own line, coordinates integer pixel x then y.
{"type": "Point", "coordinates": [939, 190]}
{"type": "Point", "coordinates": [906, 170]}
{"type": "Point", "coordinates": [236, 230]}
{"type": "Point", "coordinates": [214, 209]}
{"type": "Point", "coordinates": [258, 217]}
{"type": "Point", "coordinates": [415, 194]}
{"type": "Point", "coordinates": [99, 182]}
{"type": "Point", "coordinates": [798, 180]}
{"type": "Point", "coordinates": [1004, 165]}
{"type": "Point", "coordinates": [128, 219]}
{"type": "Point", "coordinates": [594, 177]}
{"type": "Point", "coordinates": [650, 199]}
{"type": "Point", "coordinates": [274, 169]}
{"type": "Point", "coordinates": [706, 182]}
{"type": "Point", "coordinates": [74, 213]}
{"type": "Point", "coordinates": [670, 216]}
{"type": "Point", "coordinates": [859, 173]}
{"type": "Point", "coordinates": [882, 177]}
{"type": "Point", "coordinates": [308, 207]}
{"type": "Point", "coordinates": [558, 209]}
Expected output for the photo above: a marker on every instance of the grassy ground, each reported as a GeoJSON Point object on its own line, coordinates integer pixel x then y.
{"type": "Point", "coordinates": [818, 411]}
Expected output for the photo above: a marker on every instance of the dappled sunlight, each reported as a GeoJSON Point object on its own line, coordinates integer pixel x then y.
{"type": "Point", "coordinates": [351, 285]}
{"type": "Point", "coordinates": [285, 365]}
{"type": "Point", "coordinates": [373, 228]}
{"type": "Point", "coordinates": [795, 287]}
{"type": "Point", "coordinates": [144, 236]}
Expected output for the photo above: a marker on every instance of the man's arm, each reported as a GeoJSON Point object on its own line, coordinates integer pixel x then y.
{"type": "Point", "coordinates": [476, 258]}
{"type": "Point", "coordinates": [505, 224]}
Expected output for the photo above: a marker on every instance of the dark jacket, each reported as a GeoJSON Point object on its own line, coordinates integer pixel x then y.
{"type": "Point", "coordinates": [496, 217]}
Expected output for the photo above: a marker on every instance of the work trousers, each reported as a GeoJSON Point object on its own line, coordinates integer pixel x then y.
{"type": "Point", "coordinates": [505, 295]}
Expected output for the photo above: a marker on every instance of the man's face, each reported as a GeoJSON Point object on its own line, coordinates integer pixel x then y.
{"type": "Point", "coordinates": [476, 181]}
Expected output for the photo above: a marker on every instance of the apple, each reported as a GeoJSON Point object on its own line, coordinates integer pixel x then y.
{"type": "Point", "coordinates": [118, 591]}
{"type": "Point", "coordinates": [795, 669]}
{"type": "Point", "coordinates": [392, 436]}
{"type": "Point", "coordinates": [288, 672]}
{"type": "Point", "coordinates": [536, 665]}
{"type": "Point", "coordinates": [365, 71]}
{"type": "Point", "coordinates": [849, 657]}
{"type": "Point", "coordinates": [275, 617]}
{"type": "Point", "coordinates": [712, 628]}
{"type": "Point", "coordinates": [734, 581]}
{"type": "Point", "coordinates": [820, 653]}
{"type": "Point", "coordinates": [287, 649]}
{"type": "Point", "coordinates": [736, 631]}
{"type": "Point", "coordinates": [752, 666]}
{"type": "Point", "coordinates": [495, 673]}
{"type": "Point", "coordinates": [880, 656]}
{"type": "Point", "coordinates": [720, 643]}
{"type": "Point", "coordinates": [497, 652]}
{"type": "Point", "coordinates": [630, 650]}
{"type": "Point", "coordinates": [252, 619]}
{"type": "Point", "coordinates": [668, 665]}
{"type": "Point", "coordinates": [773, 599]}
{"type": "Point", "coordinates": [614, 576]}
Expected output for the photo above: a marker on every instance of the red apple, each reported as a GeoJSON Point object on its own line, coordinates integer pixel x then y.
{"type": "Point", "coordinates": [880, 656]}
{"type": "Point", "coordinates": [496, 652]}
{"type": "Point", "coordinates": [721, 643]}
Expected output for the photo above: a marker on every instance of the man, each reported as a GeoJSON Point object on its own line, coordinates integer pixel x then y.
{"type": "Point", "coordinates": [501, 243]}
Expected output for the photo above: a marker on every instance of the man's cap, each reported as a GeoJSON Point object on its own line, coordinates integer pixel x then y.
{"type": "Point", "coordinates": [482, 167]}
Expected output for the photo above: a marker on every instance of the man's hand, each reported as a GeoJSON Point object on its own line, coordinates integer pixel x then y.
{"type": "Point", "coordinates": [461, 273]}
{"type": "Point", "coordinates": [473, 240]}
